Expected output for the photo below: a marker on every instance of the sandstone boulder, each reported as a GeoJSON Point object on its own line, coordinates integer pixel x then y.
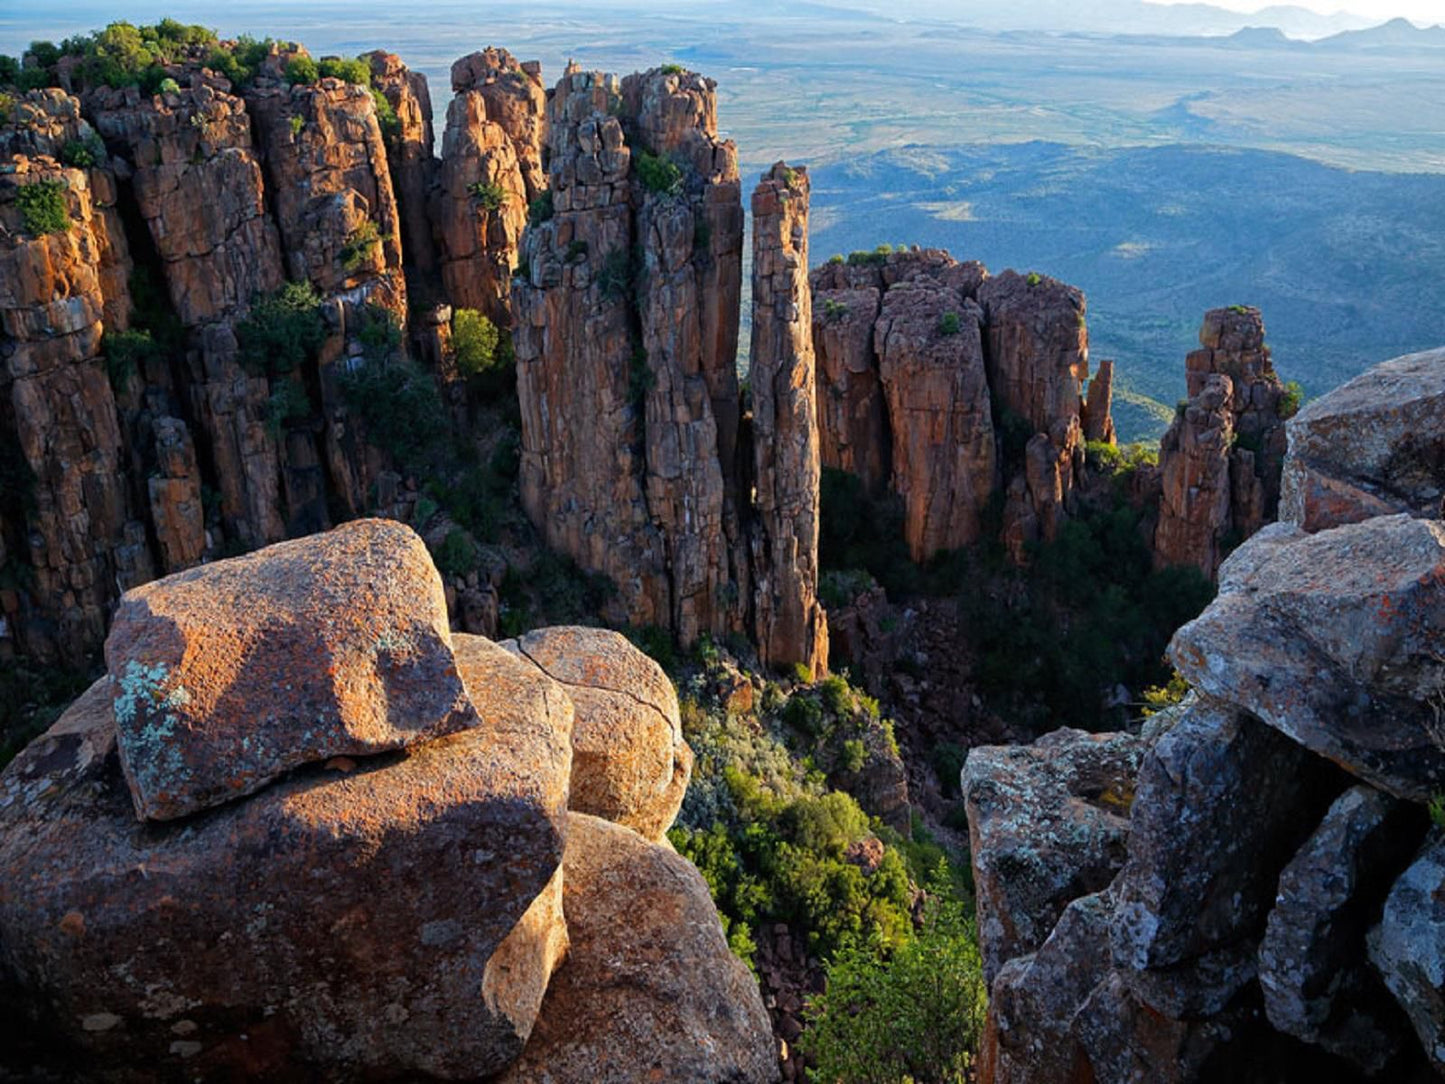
{"type": "Point", "coordinates": [649, 990]}
{"type": "Point", "coordinates": [1048, 822]}
{"type": "Point", "coordinates": [226, 676]}
{"type": "Point", "coordinates": [1407, 948]}
{"type": "Point", "coordinates": [1371, 447]}
{"type": "Point", "coordinates": [392, 917]}
{"type": "Point", "coordinates": [630, 763]}
{"type": "Point", "coordinates": [1223, 801]}
{"type": "Point", "coordinates": [1338, 640]}
{"type": "Point", "coordinates": [1317, 985]}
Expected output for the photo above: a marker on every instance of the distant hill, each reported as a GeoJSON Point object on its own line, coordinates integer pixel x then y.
{"type": "Point", "coordinates": [1395, 34]}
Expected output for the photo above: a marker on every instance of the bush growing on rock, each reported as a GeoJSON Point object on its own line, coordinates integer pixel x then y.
{"type": "Point", "coordinates": [282, 331]}
{"type": "Point", "coordinates": [42, 207]}
{"type": "Point", "coordinates": [658, 174]}
{"type": "Point", "coordinates": [302, 70]}
{"type": "Point", "coordinates": [355, 72]}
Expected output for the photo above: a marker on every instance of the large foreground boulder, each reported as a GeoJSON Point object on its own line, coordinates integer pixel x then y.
{"type": "Point", "coordinates": [1048, 822]}
{"type": "Point", "coordinates": [630, 763]}
{"type": "Point", "coordinates": [1336, 639]}
{"type": "Point", "coordinates": [1408, 946]}
{"type": "Point", "coordinates": [231, 673]}
{"type": "Point", "coordinates": [649, 990]}
{"type": "Point", "coordinates": [1371, 447]}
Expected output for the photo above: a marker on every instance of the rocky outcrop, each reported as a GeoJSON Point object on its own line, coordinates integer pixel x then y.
{"type": "Point", "coordinates": [198, 658]}
{"type": "Point", "coordinates": [1343, 654]}
{"type": "Point", "coordinates": [1372, 447]}
{"type": "Point", "coordinates": [1316, 987]}
{"type": "Point", "coordinates": [954, 387]}
{"type": "Point", "coordinates": [1222, 457]}
{"type": "Point", "coordinates": [625, 339]}
{"type": "Point", "coordinates": [791, 628]}
{"type": "Point", "coordinates": [199, 188]}
{"type": "Point", "coordinates": [73, 525]}
{"type": "Point", "coordinates": [410, 158]}
{"type": "Point", "coordinates": [107, 921]}
{"type": "Point", "coordinates": [495, 120]}
{"type": "Point", "coordinates": [1269, 900]}
{"type": "Point", "coordinates": [1098, 419]}
{"type": "Point", "coordinates": [1407, 948]}
{"type": "Point", "coordinates": [649, 990]}
{"type": "Point", "coordinates": [630, 764]}
{"type": "Point", "coordinates": [1047, 822]}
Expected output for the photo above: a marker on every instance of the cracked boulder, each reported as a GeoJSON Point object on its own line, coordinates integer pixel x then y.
{"type": "Point", "coordinates": [228, 675]}
{"type": "Point", "coordinates": [649, 990]}
{"type": "Point", "coordinates": [1407, 948]}
{"type": "Point", "coordinates": [630, 763]}
{"type": "Point", "coordinates": [388, 917]}
{"type": "Point", "coordinates": [1336, 639]}
{"type": "Point", "coordinates": [1048, 822]}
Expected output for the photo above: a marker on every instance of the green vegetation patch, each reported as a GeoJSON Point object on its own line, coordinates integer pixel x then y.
{"type": "Point", "coordinates": [282, 331]}
{"type": "Point", "coordinates": [658, 173]}
{"type": "Point", "coordinates": [42, 207]}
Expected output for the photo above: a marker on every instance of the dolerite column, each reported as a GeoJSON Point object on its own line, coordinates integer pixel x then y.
{"type": "Point", "coordinates": [790, 624]}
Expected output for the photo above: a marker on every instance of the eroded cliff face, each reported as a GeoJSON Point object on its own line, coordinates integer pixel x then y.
{"type": "Point", "coordinates": [65, 476]}
{"type": "Point", "coordinates": [490, 173]}
{"type": "Point", "coordinates": [411, 158]}
{"type": "Point", "coordinates": [626, 334]}
{"type": "Point", "coordinates": [791, 626]}
{"type": "Point", "coordinates": [1222, 457]}
{"type": "Point", "coordinates": [954, 386]}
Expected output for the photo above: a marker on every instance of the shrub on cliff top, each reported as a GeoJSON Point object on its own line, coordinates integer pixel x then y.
{"type": "Point", "coordinates": [1289, 403]}
{"type": "Point", "coordinates": [355, 72]}
{"type": "Point", "coordinates": [42, 207]}
{"type": "Point", "coordinates": [303, 70]}
{"type": "Point", "coordinates": [386, 117]}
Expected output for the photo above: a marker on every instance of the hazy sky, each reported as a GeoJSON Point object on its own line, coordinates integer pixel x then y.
{"type": "Point", "coordinates": [1420, 11]}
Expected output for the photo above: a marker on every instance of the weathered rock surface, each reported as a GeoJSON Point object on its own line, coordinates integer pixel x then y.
{"type": "Point", "coordinates": [516, 100]}
{"type": "Point", "coordinates": [1407, 948]}
{"type": "Point", "coordinates": [791, 627]}
{"type": "Point", "coordinates": [1335, 639]}
{"type": "Point", "coordinates": [1316, 982]}
{"type": "Point", "coordinates": [1372, 447]}
{"type": "Point", "coordinates": [481, 206]}
{"type": "Point", "coordinates": [1048, 822]}
{"type": "Point", "coordinates": [422, 891]}
{"type": "Point", "coordinates": [80, 536]}
{"type": "Point", "coordinates": [625, 340]}
{"type": "Point", "coordinates": [649, 990]}
{"type": "Point", "coordinates": [1223, 801]}
{"type": "Point", "coordinates": [174, 489]}
{"type": "Point", "coordinates": [409, 156]}
{"type": "Point", "coordinates": [1098, 419]}
{"type": "Point", "coordinates": [630, 763]}
{"type": "Point", "coordinates": [1222, 457]}
{"type": "Point", "coordinates": [228, 675]}
{"type": "Point", "coordinates": [932, 369]}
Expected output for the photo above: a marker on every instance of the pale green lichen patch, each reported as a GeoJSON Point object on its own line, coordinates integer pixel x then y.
{"type": "Point", "coordinates": [146, 701]}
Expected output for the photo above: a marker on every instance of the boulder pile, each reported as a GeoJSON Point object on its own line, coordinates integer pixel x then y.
{"type": "Point", "coordinates": [301, 831]}
{"type": "Point", "coordinates": [1251, 888]}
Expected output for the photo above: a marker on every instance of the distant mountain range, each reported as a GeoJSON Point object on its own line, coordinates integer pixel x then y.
{"type": "Point", "coordinates": [1148, 18]}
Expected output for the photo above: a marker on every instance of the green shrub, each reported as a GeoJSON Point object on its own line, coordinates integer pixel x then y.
{"type": "Point", "coordinates": [398, 404]}
{"type": "Point", "coordinates": [42, 207]}
{"type": "Point", "coordinates": [833, 311]}
{"type": "Point", "coordinates": [916, 1014]}
{"type": "Point", "coordinates": [168, 86]}
{"type": "Point", "coordinates": [282, 331]}
{"type": "Point", "coordinates": [297, 122]}
{"type": "Point", "coordinates": [1436, 808]}
{"type": "Point", "coordinates": [839, 587]}
{"type": "Point", "coordinates": [355, 72]}
{"type": "Point", "coordinates": [9, 69]}
{"type": "Point", "coordinates": [1159, 697]}
{"type": "Point", "coordinates": [673, 69]}
{"type": "Point", "coordinates": [949, 324]}
{"type": "Point", "coordinates": [837, 696]}
{"type": "Point", "coordinates": [855, 754]}
{"type": "Point", "coordinates": [83, 154]}
{"type": "Point", "coordinates": [489, 195]}
{"type": "Point", "coordinates": [302, 70]}
{"type": "Point", "coordinates": [540, 209]}
{"type": "Point", "coordinates": [617, 277]}
{"type": "Point", "coordinates": [43, 53]}
{"type": "Point", "coordinates": [1291, 400]}
{"type": "Point", "coordinates": [836, 258]}
{"type": "Point", "coordinates": [484, 352]}
{"type": "Point", "coordinates": [386, 117]}
{"type": "Point", "coordinates": [576, 251]}
{"type": "Point", "coordinates": [361, 246]}
{"type": "Point", "coordinates": [1035, 278]}
{"type": "Point", "coordinates": [658, 174]}
{"type": "Point", "coordinates": [457, 555]}
{"type": "Point", "coordinates": [877, 258]}
{"type": "Point", "coordinates": [1103, 456]}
